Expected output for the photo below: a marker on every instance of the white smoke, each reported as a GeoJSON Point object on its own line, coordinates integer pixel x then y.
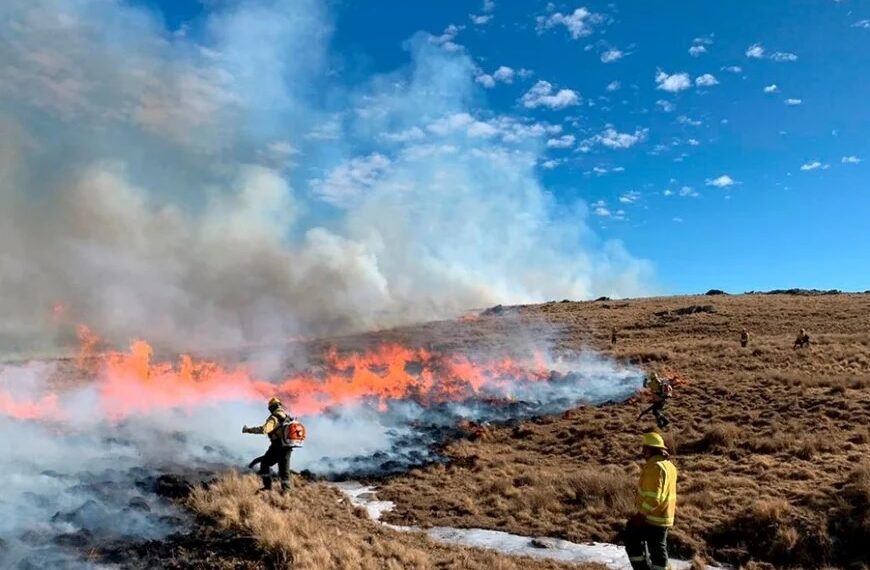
{"type": "Point", "coordinates": [79, 479]}
{"type": "Point", "coordinates": [224, 184]}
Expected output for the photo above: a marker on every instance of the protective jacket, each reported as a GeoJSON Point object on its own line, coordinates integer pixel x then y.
{"type": "Point", "coordinates": [657, 491]}
{"type": "Point", "coordinates": [270, 428]}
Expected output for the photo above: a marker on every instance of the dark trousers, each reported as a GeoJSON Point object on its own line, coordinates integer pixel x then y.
{"type": "Point", "coordinates": [646, 545]}
{"type": "Point", "coordinates": [280, 455]}
{"type": "Point", "coordinates": [658, 410]}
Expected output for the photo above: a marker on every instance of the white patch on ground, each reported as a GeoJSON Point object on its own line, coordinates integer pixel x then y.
{"type": "Point", "coordinates": [611, 555]}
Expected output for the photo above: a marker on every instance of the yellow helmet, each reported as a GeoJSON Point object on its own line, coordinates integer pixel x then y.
{"type": "Point", "coordinates": [274, 403]}
{"type": "Point", "coordinates": [653, 439]}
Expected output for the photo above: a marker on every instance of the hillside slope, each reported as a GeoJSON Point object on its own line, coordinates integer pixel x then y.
{"type": "Point", "coordinates": [772, 443]}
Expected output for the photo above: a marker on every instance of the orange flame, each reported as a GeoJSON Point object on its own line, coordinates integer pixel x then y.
{"type": "Point", "coordinates": [131, 382]}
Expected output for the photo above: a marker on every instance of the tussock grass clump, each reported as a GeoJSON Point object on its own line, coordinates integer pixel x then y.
{"type": "Point", "coordinates": [772, 530]}
{"type": "Point", "coordinates": [315, 527]}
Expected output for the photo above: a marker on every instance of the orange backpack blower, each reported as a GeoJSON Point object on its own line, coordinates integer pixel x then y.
{"type": "Point", "coordinates": [292, 433]}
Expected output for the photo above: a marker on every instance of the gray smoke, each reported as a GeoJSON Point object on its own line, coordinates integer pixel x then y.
{"type": "Point", "coordinates": [224, 184]}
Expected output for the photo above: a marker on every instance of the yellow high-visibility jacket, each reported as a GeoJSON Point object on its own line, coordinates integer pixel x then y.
{"type": "Point", "coordinates": [657, 491]}
{"type": "Point", "coordinates": [270, 428]}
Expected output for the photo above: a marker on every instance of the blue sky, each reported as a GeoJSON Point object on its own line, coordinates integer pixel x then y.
{"type": "Point", "coordinates": [784, 120]}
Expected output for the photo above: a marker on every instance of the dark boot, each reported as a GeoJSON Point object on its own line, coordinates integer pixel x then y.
{"type": "Point", "coordinates": [267, 483]}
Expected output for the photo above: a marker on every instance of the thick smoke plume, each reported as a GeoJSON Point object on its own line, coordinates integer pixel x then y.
{"type": "Point", "coordinates": [223, 183]}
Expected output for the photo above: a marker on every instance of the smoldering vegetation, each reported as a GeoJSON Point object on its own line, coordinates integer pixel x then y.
{"type": "Point", "coordinates": [85, 479]}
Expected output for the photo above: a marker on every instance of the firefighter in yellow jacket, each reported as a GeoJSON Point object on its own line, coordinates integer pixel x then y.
{"type": "Point", "coordinates": [646, 533]}
{"type": "Point", "coordinates": [277, 452]}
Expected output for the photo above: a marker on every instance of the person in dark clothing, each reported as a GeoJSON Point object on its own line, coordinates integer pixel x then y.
{"type": "Point", "coordinates": [802, 340]}
{"type": "Point", "coordinates": [613, 336]}
{"type": "Point", "coordinates": [277, 453]}
{"type": "Point", "coordinates": [744, 338]}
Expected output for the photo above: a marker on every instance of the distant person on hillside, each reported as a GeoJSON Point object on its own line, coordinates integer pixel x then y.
{"type": "Point", "coordinates": [646, 533]}
{"type": "Point", "coordinates": [802, 340]}
{"type": "Point", "coordinates": [661, 391]}
{"type": "Point", "coordinates": [744, 338]}
{"type": "Point", "coordinates": [613, 335]}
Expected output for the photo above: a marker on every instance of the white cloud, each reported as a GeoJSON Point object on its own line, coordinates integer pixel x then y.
{"type": "Point", "coordinates": [578, 23]}
{"type": "Point", "coordinates": [412, 134]}
{"type": "Point", "coordinates": [487, 9]}
{"type": "Point", "coordinates": [565, 141]}
{"type": "Point", "coordinates": [673, 83]}
{"type": "Point", "coordinates": [612, 55]}
{"type": "Point", "coordinates": [697, 50]}
{"type": "Point", "coordinates": [706, 80]}
{"type": "Point", "coordinates": [524, 73]}
{"type": "Point", "coordinates": [611, 138]}
{"type": "Point", "coordinates": [852, 159]}
{"type": "Point", "coordinates": [755, 51]}
{"type": "Point", "coordinates": [862, 24]}
{"type": "Point", "coordinates": [450, 123]}
{"type": "Point", "coordinates": [630, 197]}
{"type": "Point", "coordinates": [486, 80]}
{"type": "Point", "coordinates": [813, 165]}
{"type": "Point", "coordinates": [668, 192]}
{"type": "Point", "coordinates": [328, 131]}
{"type": "Point", "coordinates": [542, 95]}
{"type": "Point", "coordinates": [551, 164]}
{"type": "Point", "coordinates": [792, 102]}
{"type": "Point", "coordinates": [600, 209]}
{"type": "Point", "coordinates": [684, 120]}
{"type": "Point", "coordinates": [614, 86]}
{"type": "Point", "coordinates": [666, 106]}
{"type": "Point", "coordinates": [693, 142]}
{"type": "Point", "coordinates": [783, 56]}
{"type": "Point", "coordinates": [688, 192]}
{"type": "Point", "coordinates": [447, 37]}
{"type": "Point", "coordinates": [723, 181]}
{"type": "Point", "coordinates": [348, 181]}
{"type": "Point", "coordinates": [677, 220]}
{"type": "Point", "coordinates": [733, 69]}
{"type": "Point", "coordinates": [772, 88]}
{"type": "Point", "coordinates": [504, 74]}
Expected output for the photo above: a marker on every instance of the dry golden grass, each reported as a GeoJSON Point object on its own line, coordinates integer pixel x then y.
{"type": "Point", "coordinates": [316, 528]}
{"type": "Point", "coordinates": [771, 442]}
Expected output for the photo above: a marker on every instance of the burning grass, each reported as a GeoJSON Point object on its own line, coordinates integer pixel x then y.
{"type": "Point", "coordinates": [771, 441]}
{"type": "Point", "coordinates": [315, 527]}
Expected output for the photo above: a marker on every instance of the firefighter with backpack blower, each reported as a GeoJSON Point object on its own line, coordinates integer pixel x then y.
{"type": "Point", "coordinates": [285, 434]}
{"type": "Point", "coordinates": [661, 390]}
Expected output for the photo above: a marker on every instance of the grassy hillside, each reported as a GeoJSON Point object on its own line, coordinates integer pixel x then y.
{"type": "Point", "coordinates": [772, 443]}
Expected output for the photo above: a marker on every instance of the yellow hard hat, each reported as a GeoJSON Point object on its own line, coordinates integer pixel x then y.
{"type": "Point", "coordinates": [653, 439]}
{"type": "Point", "coordinates": [274, 402]}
